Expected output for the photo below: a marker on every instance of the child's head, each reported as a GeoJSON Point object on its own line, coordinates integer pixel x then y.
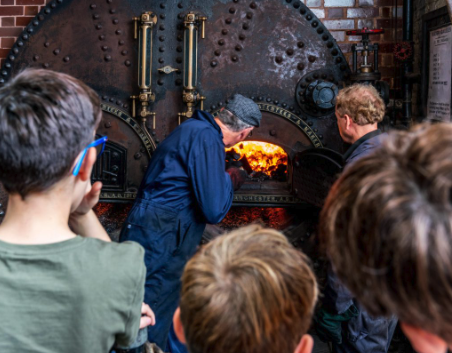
{"type": "Point", "coordinates": [247, 291]}
{"type": "Point", "coordinates": [387, 227]}
{"type": "Point", "coordinates": [46, 119]}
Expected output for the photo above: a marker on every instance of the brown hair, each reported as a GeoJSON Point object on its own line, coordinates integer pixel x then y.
{"type": "Point", "coordinates": [46, 119]}
{"type": "Point", "coordinates": [387, 227]}
{"type": "Point", "coordinates": [247, 291]}
{"type": "Point", "coordinates": [361, 103]}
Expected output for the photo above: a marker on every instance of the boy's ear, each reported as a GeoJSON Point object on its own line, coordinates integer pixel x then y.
{"type": "Point", "coordinates": [423, 341]}
{"type": "Point", "coordinates": [178, 328]}
{"type": "Point", "coordinates": [306, 344]}
{"type": "Point", "coordinates": [87, 165]}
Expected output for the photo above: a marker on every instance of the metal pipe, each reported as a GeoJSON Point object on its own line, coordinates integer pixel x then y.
{"type": "Point", "coordinates": [408, 20]}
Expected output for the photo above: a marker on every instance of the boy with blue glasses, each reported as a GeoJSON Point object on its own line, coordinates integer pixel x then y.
{"type": "Point", "coordinates": [64, 286]}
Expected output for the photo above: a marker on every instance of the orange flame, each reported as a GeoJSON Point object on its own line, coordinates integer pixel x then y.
{"type": "Point", "coordinates": [262, 157]}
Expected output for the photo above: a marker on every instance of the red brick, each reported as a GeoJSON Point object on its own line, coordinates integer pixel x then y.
{"type": "Point", "coordinates": [4, 53]}
{"type": "Point", "coordinates": [368, 12]}
{"type": "Point", "coordinates": [345, 47]}
{"type": "Point", "coordinates": [387, 2]}
{"type": "Point", "coordinates": [30, 2]}
{"type": "Point", "coordinates": [10, 32]}
{"type": "Point", "coordinates": [11, 10]}
{"type": "Point", "coordinates": [8, 42]}
{"type": "Point", "coordinates": [7, 2]}
{"type": "Point", "coordinates": [335, 13]}
{"type": "Point", "coordinates": [385, 12]}
{"type": "Point", "coordinates": [389, 23]}
{"type": "Point", "coordinates": [31, 10]}
{"type": "Point", "coordinates": [23, 21]}
{"type": "Point", "coordinates": [387, 60]}
{"type": "Point", "coordinates": [386, 48]}
{"type": "Point", "coordinates": [7, 21]}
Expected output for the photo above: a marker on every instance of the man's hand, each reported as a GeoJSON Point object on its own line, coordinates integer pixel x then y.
{"type": "Point", "coordinates": [148, 317]}
{"type": "Point", "coordinates": [90, 200]}
{"type": "Point", "coordinates": [238, 177]}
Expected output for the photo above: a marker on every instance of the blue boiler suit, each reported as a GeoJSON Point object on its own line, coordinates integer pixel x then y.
{"type": "Point", "coordinates": [362, 333]}
{"type": "Point", "coordinates": [184, 188]}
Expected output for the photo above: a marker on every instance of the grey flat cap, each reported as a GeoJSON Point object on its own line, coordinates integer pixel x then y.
{"type": "Point", "coordinates": [245, 109]}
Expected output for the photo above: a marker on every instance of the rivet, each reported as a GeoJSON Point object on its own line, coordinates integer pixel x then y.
{"type": "Point", "coordinates": [30, 30]}
{"type": "Point", "coordinates": [107, 124]}
{"type": "Point", "coordinates": [334, 52]}
{"type": "Point", "coordinates": [47, 11]}
{"type": "Point", "coordinates": [8, 65]}
{"type": "Point", "coordinates": [162, 6]}
{"type": "Point", "coordinates": [20, 44]}
{"type": "Point", "coordinates": [162, 38]}
{"type": "Point", "coordinates": [311, 58]}
{"type": "Point", "coordinates": [179, 5]}
{"type": "Point", "coordinates": [325, 37]}
{"type": "Point", "coordinates": [213, 107]}
{"type": "Point", "coordinates": [96, 16]}
{"type": "Point", "coordinates": [180, 37]}
{"type": "Point", "coordinates": [338, 60]}
{"type": "Point", "coordinates": [161, 60]}
{"type": "Point", "coordinates": [224, 31]}
{"type": "Point", "coordinates": [303, 11]}
{"type": "Point", "coordinates": [236, 1]}
{"type": "Point", "coordinates": [66, 59]}
{"type": "Point", "coordinates": [249, 15]}
{"type": "Point", "coordinates": [221, 42]}
{"type": "Point", "coordinates": [330, 44]}
{"type": "Point", "coordinates": [92, 6]}
{"type": "Point", "coordinates": [296, 5]}
{"type": "Point", "coordinates": [217, 52]}
{"type": "Point", "coordinates": [289, 51]}
{"type": "Point", "coordinates": [161, 49]}
{"type": "Point", "coordinates": [98, 26]}
{"type": "Point", "coordinates": [228, 21]}
{"type": "Point", "coordinates": [126, 106]}
{"type": "Point", "coordinates": [105, 98]}
{"type": "Point", "coordinates": [316, 75]}
{"type": "Point", "coordinates": [45, 65]}
{"type": "Point", "coordinates": [162, 16]}
{"type": "Point", "coordinates": [2, 213]}
{"type": "Point", "coordinates": [316, 130]}
{"type": "Point", "coordinates": [300, 66]}
{"type": "Point", "coordinates": [115, 21]}
{"type": "Point", "coordinates": [178, 82]}
{"type": "Point", "coordinates": [112, 11]}
{"type": "Point", "coordinates": [117, 155]}
{"type": "Point", "coordinates": [308, 79]}
{"type": "Point", "coordinates": [269, 99]}
{"type": "Point", "coordinates": [220, 104]}
{"type": "Point", "coordinates": [309, 17]}
{"type": "Point", "coordinates": [272, 132]}
{"type": "Point", "coordinates": [4, 73]}
{"type": "Point", "coordinates": [160, 82]}
{"type": "Point", "coordinates": [253, 5]}
{"type": "Point", "coordinates": [300, 44]}
{"type": "Point", "coordinates": [279, 59]}
{"type": "Point", "coordinates": [25, 36]}
{"type": "Point", "coordinates": [245, 26]}
{"type": "Point", "coordinates": [314, 24]}
{"type": "Point", "coordinates": [41, 18]}
{"type": "Point", "coordinates": [320, 30]}
{"type": "Point", "coordinates": [234, 58]}
{"type": "Point", "coordinates": [232, 10]}
{"type": "Point", "coordinates": [124, 52]}
{"type": "Point", "coordinates": [289, 1]}
{"type": "Point", "coordinates": [118, 32]}
{"type": "Point", "coordinates": [180, 16]}
{"type": "Point", "coordinates": [35, 23]}
{"type": "Point", "coordinates": [179, 60]}
{"type": "Point", "coordinates": [121, 42]}
{"type": "Point", "coordinates": [56, 51]}
{"type": "Point", "coordinates": [310, 123]}
{"type": "Point", "coordinates": [127, 63]}
{"type": "Point", "coordinates": [260, 98]}
{"type": "Point", "coordinates": [284, 105]}
{"type": "Point", "coordinates": [104, 48]}
{"type": "Point", "coordinates": [109, 1]}
{"type": "Point", "coordinates": [242, 37]}
{"type": "Point", "coordinates": [300, 93]}
{"type": "Point", "coordinates": [179, 49]}
{"type": "Point", "coordinates": [162, 27]}
{"type": "Point", "coordinates": [107, 57]}
{"type": "Point", "coordinates": [238, 47]}
{"type": "Point", "coordinates": [60, 1]}
{"type": "Point", "coordinates": [52, 5]}
{"type": "Point", "coordinates": [101, 37]}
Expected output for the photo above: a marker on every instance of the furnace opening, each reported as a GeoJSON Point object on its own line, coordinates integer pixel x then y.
{"type": "Point", "coordinates": [261, 160]}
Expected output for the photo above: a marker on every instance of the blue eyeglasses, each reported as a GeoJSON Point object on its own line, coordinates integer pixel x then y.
{"type": "Point", "coordinates": [96, 143]}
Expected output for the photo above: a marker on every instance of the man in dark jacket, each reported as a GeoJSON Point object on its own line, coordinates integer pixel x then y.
{"type": "Point", "coordinates": [184, 188]}
{"type": "Point", "coordinates": [359, 108]}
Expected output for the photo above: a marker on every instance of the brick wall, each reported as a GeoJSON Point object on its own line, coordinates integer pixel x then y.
{"type": "Point", "coordinates": [338, 16]}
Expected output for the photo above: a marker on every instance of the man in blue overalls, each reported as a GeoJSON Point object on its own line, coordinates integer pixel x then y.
{"type": "Point", "coordinates": [342, 320]}
{"type": "Point", "coordinates": [184, 188]}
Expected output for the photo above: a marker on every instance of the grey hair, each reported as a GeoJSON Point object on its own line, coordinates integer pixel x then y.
{"type": "Point", "coordinates": [231, 121]}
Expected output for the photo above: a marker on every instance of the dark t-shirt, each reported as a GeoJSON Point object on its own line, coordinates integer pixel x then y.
{"type": "Point", "coordinates": [79, 295]}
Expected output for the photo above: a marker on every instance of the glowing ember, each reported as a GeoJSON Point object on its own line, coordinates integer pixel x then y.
{"type": "Point", "coordinates": [262, 157]}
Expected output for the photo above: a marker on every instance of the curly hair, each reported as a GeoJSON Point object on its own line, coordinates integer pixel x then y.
{"type": "Point", "coordinates": [247, 291]}
{"type": "Point", "coordinates": [387, 228]}
{"type": "Point", "coordinates": [361, 103]}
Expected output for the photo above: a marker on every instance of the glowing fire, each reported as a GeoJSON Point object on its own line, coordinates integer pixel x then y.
{"type": "Point", "coordinates": [262, 157]}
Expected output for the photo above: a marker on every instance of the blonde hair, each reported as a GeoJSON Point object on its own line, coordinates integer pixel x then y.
{"type": "Point", "coordinates": [361, 103]}
{"type": "Point", "coordinates": [247, 291]}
